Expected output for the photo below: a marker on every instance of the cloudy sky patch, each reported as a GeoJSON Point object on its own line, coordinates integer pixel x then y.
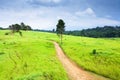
{"type": "Point", "coordinates": [44, 14]}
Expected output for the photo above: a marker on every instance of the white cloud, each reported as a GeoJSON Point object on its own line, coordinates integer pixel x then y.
{"type": "Point", "coordinates": [47, 17]}
{"type": "Point", "coordinates": [56, 1]}
{"type": "Point", "coordinates": [88, 12]}
{"type": "Point", "coordinates": [41, 18]}
{"type": "Point", "coordinates": [47, 1]}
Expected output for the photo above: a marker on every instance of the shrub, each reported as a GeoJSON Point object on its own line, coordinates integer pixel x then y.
{"type": "Point", "coordinates": [6, 33]}
{"type": "Point", "coordinates": [94, 51]}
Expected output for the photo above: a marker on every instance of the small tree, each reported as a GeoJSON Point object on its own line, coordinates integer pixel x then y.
{"type": "Point", "coordinates": [60, 28]}
{"type": "Point", "coordinates": [25, 27]}
{"type": "Point", "coordinates": [15, 28]}
{"type": "Point", "coordinates": [22, 26]}
{"type": "Point", "coordinates": [28, 27]}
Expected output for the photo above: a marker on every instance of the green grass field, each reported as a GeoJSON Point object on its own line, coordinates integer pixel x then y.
{"type": "Point", "coordinates": [30, 57]}
{"type": "Point", "coordinates": [105, 62]}
{"type": "Point", "coordinates": [33, 57]}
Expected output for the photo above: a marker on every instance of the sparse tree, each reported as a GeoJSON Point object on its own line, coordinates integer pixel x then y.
{"type": "Point", "coordinates": [15, 28]}
{"type": "Point", "coordinates": [22, 25]}
{"type": "Point", "coordinates": [25, 27]}
{"type": "Point", "coordinates": [60, 28]}
{"type": "Point", "coordinates": [28, 27]}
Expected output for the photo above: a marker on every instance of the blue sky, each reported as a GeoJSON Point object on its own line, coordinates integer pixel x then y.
{"type": "Point", "coordinates": [44, 14]}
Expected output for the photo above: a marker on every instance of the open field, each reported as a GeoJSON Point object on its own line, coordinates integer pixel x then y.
{"type": "Point", "coordinates": [33, 56]}
{"type": "Point", "coordinates": [28, 58]}
{"type": "Point", "coordinates": [105, 62]}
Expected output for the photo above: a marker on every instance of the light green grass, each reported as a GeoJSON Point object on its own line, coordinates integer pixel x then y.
{"type": "Point", "coordinates": [107, 60]}
{"type": "Point", "coordinates": [30, 57]}
{"type": "Point", "coordinates": [39, 54]}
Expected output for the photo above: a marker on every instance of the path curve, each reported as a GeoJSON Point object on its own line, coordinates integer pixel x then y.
{"type": "Point", "coordinates": [74, 72]}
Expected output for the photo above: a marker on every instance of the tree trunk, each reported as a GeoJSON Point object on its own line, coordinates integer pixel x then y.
{"type": "Point", "coordinates": [61, 38]}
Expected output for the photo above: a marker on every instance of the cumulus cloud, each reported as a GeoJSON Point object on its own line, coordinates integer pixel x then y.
{"type": "Point", "coordinates": [87, 12]}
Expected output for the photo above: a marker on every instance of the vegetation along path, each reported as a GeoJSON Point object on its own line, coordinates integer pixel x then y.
{"type": "Point", "coordinates": [74, 72]}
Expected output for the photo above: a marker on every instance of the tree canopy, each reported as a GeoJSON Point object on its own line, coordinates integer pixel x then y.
{"type": "Point", "coordinates": [17, 27]}
{"type": "Point", "coordinates": [60, 28]}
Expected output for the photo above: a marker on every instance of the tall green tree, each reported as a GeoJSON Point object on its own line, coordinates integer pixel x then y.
{"type": "Point", "coordinates": [60, 28]}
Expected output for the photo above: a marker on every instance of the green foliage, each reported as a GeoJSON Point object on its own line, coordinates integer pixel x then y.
{"type": "Point", "coordinates": [106, 58]}
{"type": "Point", "coordinates": [106, 31]}
{"type": "Point", "coordinates": [39, 61]}
{"type": "Point", "coordinates": [1, 53]}
{"type": "Point", "coordinates": [17, 27]}
{"type": "Point", "coordinates": [94, 51]}
{"type": "Point", "coordinates": [60, 28]}
{"type": "Point", "coordinates": [25, 27]}
{"type": "Point", "coordinates": [31, 57]}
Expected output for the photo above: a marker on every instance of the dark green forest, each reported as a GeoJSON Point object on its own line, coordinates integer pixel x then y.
{"type": "Point", "coordinates": [106, 31]}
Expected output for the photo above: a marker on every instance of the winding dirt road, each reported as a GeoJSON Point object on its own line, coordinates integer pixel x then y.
{"type": "Point", "coordinates": [74, 72]}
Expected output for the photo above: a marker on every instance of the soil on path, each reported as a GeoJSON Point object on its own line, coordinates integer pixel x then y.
{"type": "Point", "coordinates": [74, 72]}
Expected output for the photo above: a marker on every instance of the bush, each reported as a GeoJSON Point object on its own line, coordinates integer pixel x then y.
{"type": "Point", "coordinates": [94, 51]}
{"type": "Point", "coordinates": [6, 33]}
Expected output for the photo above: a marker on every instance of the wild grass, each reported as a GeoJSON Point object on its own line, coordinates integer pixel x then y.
{"type": "Point", "coordinates": [105, 60]}
{"type": "Point", "coordinates": [34, 56]}
{"type": "Point", "coordinates": [30, 57]}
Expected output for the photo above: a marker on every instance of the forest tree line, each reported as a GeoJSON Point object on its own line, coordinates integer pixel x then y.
{"type": "Point", "coordinates": [98, 32]}
{"type": "Point", "coordinates": [102, 32]}
{"type": "Point", "coordinates": [106, 31]}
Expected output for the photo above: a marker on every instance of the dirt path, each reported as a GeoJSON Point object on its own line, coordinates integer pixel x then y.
{"type": "Point", "coordinates": [74, 72]}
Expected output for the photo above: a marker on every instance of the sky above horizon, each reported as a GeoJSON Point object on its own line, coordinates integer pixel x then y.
{"type": "Point", "coordinates": [44, 14]}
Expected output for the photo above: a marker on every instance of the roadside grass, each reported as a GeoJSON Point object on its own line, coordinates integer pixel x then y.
{"type": "Point", "coordinates": [30, 57]}
{"type": "Point", "coordinates": [105, 62]}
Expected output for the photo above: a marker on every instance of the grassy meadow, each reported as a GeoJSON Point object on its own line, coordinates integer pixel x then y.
{"type": "Point", "coordinates": [106, 60]}
{"type": "Point", "coordinates": [33, 57]}
{"type": "Point", "coordinates": [30, 57]}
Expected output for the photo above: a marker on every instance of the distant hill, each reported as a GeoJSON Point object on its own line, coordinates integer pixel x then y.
{"type": "Point", "coordinates": [106, 31]}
